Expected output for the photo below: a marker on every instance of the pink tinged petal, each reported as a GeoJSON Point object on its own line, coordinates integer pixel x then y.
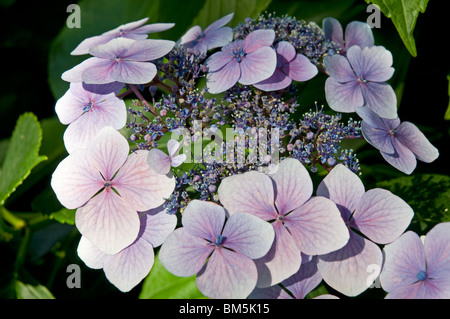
{"type": "Point", "coordinates": [92, 256]}
{"type": "Point", "coordinates": [203, 219]}
{"type": "Point", "coordinates": [99, 73]}
{"type": "Point", "coordinates": [126, 27]}
{"type": "Point", "coordinates": [257, 40]}
{"type": "Point", "coordinates": [358, 33]}
{"type": "Point", "coordinates": [339, 68]}
{"type": "Point", "coordinates": [286, 51]}
{"type": "Point", "coordinates": [300, 69]}
{"type": "Point", "coordinates": [116, 48]}
{"type": "Point", "coordinates": [410, 136]}
{"type": "Point", "coordinates": [304, 281]}
{"type": "Point", "coordinates": [75, 180]}
{"type": "Point", "coordinates": [159, 161]}
{"type": "Point", "coordinates": [217, 38]}
{"type": "Point", "coordinates": [172, 146]}
{"type": "Point", "coordinates": [150, 28]}
{"type": "Point", "coordinates": [350, 269]}
{"type": "Point", "coordinates": [108, 222]}
{"type": "Point", "coordinates": [248, 235]}
{"type": "Point", "coordinates": [343, 97]}
{"type": "Point", "coordinates": [293, 185]}
{"type": "Point", "coordinates": [258, 65]}
{"type": "Point", "coordinates": [344, 188]}
{"type": "Point", "coordinates": [317, 227]}
{"type": "Point", "coordinates": [282, 261]}
{"type": "Point", "coordinates": [178, 160]}
{"type": "Point", "coordinates": [103, 89]}
{"type": "Point", "coordinates": [223, 79]}
{"type": "Point", "coordinates": [126, 269]}
{"type": "Point", "coordinates": [437, 251]}
{"type": "Point", "coordinates": [190, 36]}
{"type": "Point", "coordinates": [417, 290]}
{"type": "Point", "coordinates": [148, 50]}
{"type": "Point", "coordinates": [277, 81]}
{"type": "Point", "coordinates": [132, 72]}
{"type": "Point", "coordinates": [404, 259]}
{"type": "Point", "coordinates": [251, 192]}
{"type": "Point", "coordinates": [382, 216]}
{"type": "Point", "coordinates": [108, 152]}
{"type": "Point", "coordinates": [372, 64]}
{"type": "Point", "coordinates": [158, 225]}
{"type": "Point", "coordinates": [183, 254]}
{"type": "Point", "coordinates": [75, 74]}
{"type": "Point", "coordinates": [333, 31]}
{"type": "Point", "coordinates": [274, 292]}
{"type": "Point", "coordinates": [86, 44]}
{"type": "Point", "coordinates": [69, 107]}
{"type": "Point", "coordinates": [227, 275]}
{"type": "Point", "coordinates": [140, 186]}
{"type": "Point", "coordinates": [378, 138]}
{"type": "Point", "coordinates": [371, 118]}
{"type": "Point", "coordinates": [219, 23]}
{"type": "Point", "coordinates": [218, 60]}
{"type": "Point", "coordinates": [380, 98]}
{"type": "Point", "coordinates": [403, 159]}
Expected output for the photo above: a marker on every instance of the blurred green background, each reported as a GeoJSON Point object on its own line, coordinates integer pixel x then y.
{"type": "Point", "coordinates": [35, 46]}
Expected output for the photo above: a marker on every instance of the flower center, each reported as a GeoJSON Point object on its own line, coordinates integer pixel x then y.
{"type": "Point", "coordinates": [239, 54]}
{"type": "Point", "coordinates": [88, 106]}
{"type": "Point", "coordinates": [361, 79]}
{"type": "Point", "coordinates": [219, 240]}
{"type": "Point", "coordinates": [421, 275]}
{"type": "Point", "coordinates": [107, 184]}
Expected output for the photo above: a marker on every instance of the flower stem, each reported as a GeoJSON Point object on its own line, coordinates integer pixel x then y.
{"type": "Point", "coordinates": [16, 223]}
{"type": "Point", "coordinates": [144, 101]}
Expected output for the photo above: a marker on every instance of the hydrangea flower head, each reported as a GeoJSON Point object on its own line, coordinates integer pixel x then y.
{"type": "Point", "coordinates": [87, 109]}
{"type": "Point", "coordinates": [128, 267]}
{"type": "Point", "coordinates": [120, 60]}
{"type": "Point", "coordinates": [418, 270]}
{"type": "Point", "coordinates": [132, 30]}
{"type": "Point", "coordinates": [290, 66]}
{"type": "Point", "coordinates": [214, 36]}
{"type": "Point", "coordinates": [359, 79]}
{"type": "Point", "coordinates": [221, 256]}
{"type": "Point", "coordinates": [108, 187]}
{"type": "Point", "coordinates": [302, 224]}
{"type": "Point", "coordinates": [161, 162]}
{"type": "Point", "coordinates": [247, 61]}
{"type": "Point", "coordinates": [400, 143]}
{"type": "Point", "coordinates": [377, 214]}
{"type": "Point", "coordinates": [356, 33]}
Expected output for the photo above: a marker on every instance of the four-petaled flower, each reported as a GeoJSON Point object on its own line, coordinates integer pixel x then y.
{"type": "Point", "coordinates": [290, 66]}
{"type": "Point", "coordinates": [247, 61]}
{"type": "Point", "coordinates": [221, 256]}
{"type": "Point", "coordinates": [302, 224]}
{"type": "Point", "coordinates": [120, 60]}
{"type": "Point", "coordinates": [161, 163]}
{"type": "Point", "coordinates": [377, 214]}
{"type": "Point", "coordinates": [108, 187]}
{"type": "Point", "coordinates": [132, 30]}
{"type": "Point", "coordinates": [400, 143]}
{"type": "Point", "coordinates": [128, 267]}
{"type": "Point", "coordinates": [214, 36]}
{"type": "Point", "coordinates": [359, 79]}
{"type": "Point", "coordinates": [416, 269]}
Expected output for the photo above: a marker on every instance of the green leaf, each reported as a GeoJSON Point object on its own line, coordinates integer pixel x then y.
{"type": "Point", "coordinates": [27, 291]}
{"type": "Point", "coordinates": [161, 284]}
{"type": "Point", "coordinates": [64, 216]}
{"type": "Point", "coordinates": [403, 14]}
{"type": "Point", "coordinates": [447, 113]}
{"type": "Point", "coordinates": [427, 194]}
{"type": "Point", "coordinates": [22, 154]}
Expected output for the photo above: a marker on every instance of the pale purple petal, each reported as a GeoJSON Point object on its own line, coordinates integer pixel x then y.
{"type": "Point", "coordinates": [304, 281]}
{"type": "Point", "coordinates": [251, 192]}
{"type": "Point", "coordinates": [343, 97]}
{"type": "Point", "coordinates": [349, 269]}
{"type": "Point", "coordinates": [249, 235]}
{"type": "Point", "coordinates": [293, 185]}
{"type": "Point", "coordinates": [371, 64]}
{"type": "Point", "coordinates": [183, 254]}
{"type": "Point", "coordinates": [178, 160]}
{"type": "Point", "coordinates": [339, 68]}
{"type": "Point", "coordinates": [132, 72]}
{"type": "Point", "coordinates": [282, 261]}
{"type": "Point", "coordinates": [380, 98]}
{"type": "Point", "coordinates": [86, 44]}
{"type": "Point", "coordinates": [374, 120]}
{"type": "Point", "coordinates": [217, 38]}
{"type": "Point", "coordinates": [129, 267]}
{"type": "Point", "coordinates": [148, 50]}
{"type": "Point", "coordinates": [437, 251]}
{"type": "Point", "coordinates": [203, 219]}
{"type": "Point", "coordinates": [277, 81]}
{"type": "Point", "coordinates": [76, 74]}
{"type": "Point", "coordinates": [258, 39]}
{"type": "Point", "coordinates": [382, 216]}
{"type": "Point", "coordinates": [100, 73]}
{"type": "Point", "coordinates": [403, 159]}
{"type": "Point", "coordinates": [172, 146]}
{"type": "Point", "coordinates": [223, 79]}
{"type": "Point", "coordinates": [107, 152]}
{"type": "Point", "coordinates": [404, 259]}
{"type": "Point", "coordinates": [103, 89]}
{"type": "Point", "coordinates": [75, 180]}
{"type": "Point", "coordinates": [273, 292]}
{"type": "Point", "coordinates": [116, 48]}
{"type": "Point", "coordinates": [190, 36]}
{"type": "Point", "coordinates": [219, 23]}
{"type": "Point", "coordinates": [141, 32]}
{"type": "Point", "coordinates": [227, 275]}
{"type": "Point", "coordinates": [69, 107]}
{"type": "Point", "coordinates": [140, 186]}
{"type": "Point", "coordinates": [218, 60]}
{"type": "Point", "coordinates": [285, 52]}
{"type": "Point", "coordinates": [108, 222]}
{"type": "Point", "coordinates": [333, 31]}
{"type": "Point", "coordinates": [159, 161]}
{"type": "Point", "coordinates": [358, 33]}
{"type": "Point", "coordinates": [417, 290]}
{"type": "Point", "coordinates": [258, 65]}
{"type": "Point", "coordinates": [300, 69]}
{"type": "Point", "coordinates": [92, 256]}
{"type": "Point", "coordinates": [157, 225]}
{"type": "Point", "coordinates": [378, 138]}
{"type": "Point", "coordinates": [344, 188]}
{"type": "Point", "coordinates": [410, 136]}
{"type": "Point", "coordinates": [126, 27]}
{"type": "Point", "coordinates": [317, 227]}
